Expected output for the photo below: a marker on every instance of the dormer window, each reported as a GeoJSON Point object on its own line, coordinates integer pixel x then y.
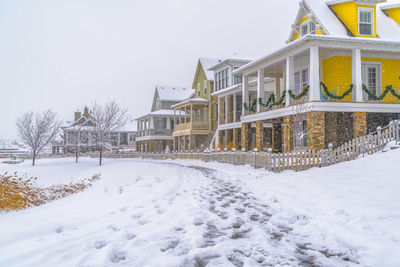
{"type": "Point", "coordinates": [366, 21]}
{"type": "Point", "coordinates": [307, 28]}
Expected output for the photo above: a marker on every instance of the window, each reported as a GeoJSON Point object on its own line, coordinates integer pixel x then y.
{"type": "Point", "coordinates": [198, 89]}
{"type": "Point", "coordinates": [307, 28]}
{"type": "Point", "coordinates": [237, 79]}
{"type": "Point", "coordinates": [205, 87]}
{"type": "Point", "coordinates": [311, 27]}
{"type": "Point", "coordinates": [300, 81]}
{"type": "Point", "coordinates": [300, 134]}
{"type": "Point", "coordinates": [304, 30]}
{"type": "Point", "coordinates": [222, 79]}
{"type": "Point", "coordinates": [365, 21]}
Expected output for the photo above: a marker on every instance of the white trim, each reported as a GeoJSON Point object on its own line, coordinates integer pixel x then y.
{"type": "Point", "coordinates": [390, 6]}
{"type": "Point", "coordinates": [153, 137]}
{"type": "Point", "coordinates": [326, 107]}
{"type": "Point", "coordinates": [372, 11]}
{"type": "Point", "coordinates": [229, 126]}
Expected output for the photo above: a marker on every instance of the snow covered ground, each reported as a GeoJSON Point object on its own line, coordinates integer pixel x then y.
{"type": "Point", "coordinates": [188, 213]}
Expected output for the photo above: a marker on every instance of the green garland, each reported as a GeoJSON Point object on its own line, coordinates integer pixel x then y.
{"type": "Point", "coordinates": [332, 95]}
{"type": "Point", "coordinates": [252, 107]}
{"type": "Point", "coordinates": [303, 93]}
{"type": "Point", "coordinates": [271, 100]}
{"type": "Point", "coordinates": [388, 89]}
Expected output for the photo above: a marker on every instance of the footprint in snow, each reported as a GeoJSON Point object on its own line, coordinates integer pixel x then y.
{"type": "Point", "coordinates": [136, 215]}
{"type": "Point", "coordinates": [123, 208]}
{"type": "Point", "coordinates": [59, 229]}
{"type": "Point", "coordinates": [113, 227]}
{"type": "Point", "coordinates": [130, 236]}
{"type": "Point", "coordinates": [142, 221]}
{"type": "Point", "coordinates": [116, 255]}
{"type": "Point", "coordinates": [100, 244]}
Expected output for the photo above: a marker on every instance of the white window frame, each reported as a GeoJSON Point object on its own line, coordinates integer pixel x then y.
{"type": "Point", "coordinates": [371, 10]}
{"type": "Point", "coordinates": [198, 89]}
{"type": "Point", "coordinates": [205, 87]}
{"type": "Point", "coordinates": [364, 65]}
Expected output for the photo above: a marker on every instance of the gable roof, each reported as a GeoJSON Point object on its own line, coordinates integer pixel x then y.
{"type": "Point", "coordinates": [387, 28]}
{"type": "Point", "coordinates": [208, 63]}
{"type": "Point", "coordinates": [173, 93]}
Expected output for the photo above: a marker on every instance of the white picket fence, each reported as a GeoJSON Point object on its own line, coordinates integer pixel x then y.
{"type": "Point", "coordinates": [296, 160]}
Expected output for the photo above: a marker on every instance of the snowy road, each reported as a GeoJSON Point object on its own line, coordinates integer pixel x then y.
{"type": "Point", "coordinates": [144, 213]}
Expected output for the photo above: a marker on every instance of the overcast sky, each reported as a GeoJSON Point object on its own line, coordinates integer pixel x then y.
{"type": "Point", "coordinates": [66, 54]}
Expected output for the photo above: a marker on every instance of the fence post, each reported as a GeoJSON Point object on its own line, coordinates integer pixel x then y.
{"type": "Point", "coordinates": [330, 147]}
{"type": "Point", "coordinates": [380, 140]}
{"type": "Point", "coordinates": [397, 131]}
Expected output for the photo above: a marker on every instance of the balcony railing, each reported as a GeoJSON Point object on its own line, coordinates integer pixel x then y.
{"type": "Point", "coordinates": [192, 126]}
{"type": "Point", "coordinates": [231, 117]}
{"type": "Point", "coordinates": [154, 132]}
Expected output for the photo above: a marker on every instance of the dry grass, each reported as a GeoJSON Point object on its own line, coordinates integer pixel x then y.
{"type": "Point", "coordinates": [19, 193]}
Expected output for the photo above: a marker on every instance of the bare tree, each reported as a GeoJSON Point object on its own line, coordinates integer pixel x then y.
{"type": "Point", "coordinates": [300, 110]}
{"type": "Point", "coordinates": [107, 118]}
{"type": "Point", "coordinates": [75, 139]}
{"type": "Point", "coordinates": [37, 130]}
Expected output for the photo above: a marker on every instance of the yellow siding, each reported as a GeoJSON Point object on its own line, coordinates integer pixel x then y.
{"type": "Point", "coordinates": [348, 14]}
{"type": "Point", "coordinates": [303, 19]}
{"type": "Point", "coordinates": [394, 14]}
{"type": "Point", "coordinates": [337, 75]}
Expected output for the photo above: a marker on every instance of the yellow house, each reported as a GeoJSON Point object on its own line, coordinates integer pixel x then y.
{"type": "Point", "coordinates": [195, 117]}
{"type": "Point", "coordinates": [341, 74]}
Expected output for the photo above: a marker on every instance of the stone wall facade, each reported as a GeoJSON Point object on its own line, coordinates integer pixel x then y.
{"type": "Point", "coordinates": [259, 135]}
{"type": "Point", "coordinates": [235, 138]}
{"type": "Point", "coordinates": [288, 133]}
{"type": "Point", "coordinates": [245, 136]}
{"type": "Point", "coordinates": [331, 129]}
{"type": "Point", "coordinates": [359, 124]}
{"type": "Point", "coordinates": [316, 130]}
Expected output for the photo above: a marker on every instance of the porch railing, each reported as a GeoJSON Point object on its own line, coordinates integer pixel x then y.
{"type": "Point", "coordinates": [197, 125]}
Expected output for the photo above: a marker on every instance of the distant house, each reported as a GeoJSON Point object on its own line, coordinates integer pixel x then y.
{"type": "Point", "coordinates": [79, 134]}
{"type": "Point", "coordinates": [196, 127]}
{"type": "Point", "coordinates": [155, 128]}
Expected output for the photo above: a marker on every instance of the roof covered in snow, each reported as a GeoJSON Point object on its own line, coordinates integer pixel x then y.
{"type": "Point", "coordinates": [173, 93]}
{"type": "Point", "coordinates": [160, 112]}
{"type": "Point", "coordinates": [387, 28]}
{"type": "Point", "coordinates": [191, 100]}
{"type": "Point", "coordinates": [207, 63]}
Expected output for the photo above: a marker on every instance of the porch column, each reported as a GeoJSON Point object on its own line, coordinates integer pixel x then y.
{"type": "Point", "coordinates": [151, 123]}
{"type": "Point", "coordinates": [314, 74]}
{"type": "Point", "coordinates": [356, 75]}
{"type": "Point", "coordinates": [245, 93]}
{"type": "Point", "coordinates": [260, 88]}
{"type": "Point", "coordinates": [234, 107]}
{"type": "Point", "coordinates": [234, 138]}
{"type": "Point", "coordinates": [185, 116]}
{"type": "Point", "coordinates": [219, 111]}
{"type": "Point", "coordinates": [226, 109]}
{"type": "Point", "coordinates": [289, 77]}
{"type": "Point", "coordinates": [169, 123]}
{"type": "Point", "coordinates": [259, 135]}
{"type": "Point", "coordinates": [359, 124]}
{"type": "Point", "coordinates": [245, 136]}
{"type": "Point", "coordinates": [277, 88]}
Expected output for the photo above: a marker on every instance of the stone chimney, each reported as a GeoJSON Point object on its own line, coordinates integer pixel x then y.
{"type": "Point", "coordinates": [77, 115]}
{"type": "Point", "coordinates": [86, 113]}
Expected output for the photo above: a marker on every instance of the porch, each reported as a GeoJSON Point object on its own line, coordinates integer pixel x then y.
{"type": "Point", "coordinates": [322, 74]}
